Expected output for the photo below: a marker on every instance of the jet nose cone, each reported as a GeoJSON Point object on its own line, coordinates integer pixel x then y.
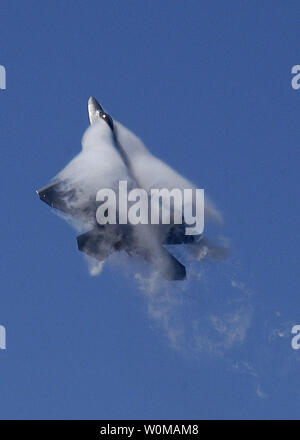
{"type": "Point", "coordinates": [94, 109]}
{"type": "Point", "coordinates": [94, 105]}
{"type": "Point", "coordinates": [93, 101]}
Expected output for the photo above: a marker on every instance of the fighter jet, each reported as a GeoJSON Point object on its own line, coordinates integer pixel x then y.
{"type": "Point", "coordinates": [117, 154]}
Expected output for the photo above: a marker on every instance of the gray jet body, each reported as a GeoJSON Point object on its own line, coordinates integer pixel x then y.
{"type": "Point", "coordinates": [131, 156]}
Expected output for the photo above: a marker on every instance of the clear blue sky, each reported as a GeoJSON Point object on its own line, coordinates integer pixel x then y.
{"type": "Point", "coordinates": [207, 87]}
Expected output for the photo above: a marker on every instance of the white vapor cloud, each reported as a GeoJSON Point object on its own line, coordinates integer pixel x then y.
{"type": "Point", "coordinates": [194, 322]}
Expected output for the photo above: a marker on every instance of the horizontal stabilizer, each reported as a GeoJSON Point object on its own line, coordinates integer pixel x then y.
{"type": "Point", "coordinates": [166, 264]}
{"type": "Point", "coordinates": [100, 242]}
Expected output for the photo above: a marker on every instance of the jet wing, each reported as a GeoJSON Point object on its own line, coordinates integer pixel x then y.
{"type": "Point", "coordinates": [152, 172]}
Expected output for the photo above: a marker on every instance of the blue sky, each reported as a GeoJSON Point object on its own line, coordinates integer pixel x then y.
{"type": "Point", "coordinates": [207, 87]}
